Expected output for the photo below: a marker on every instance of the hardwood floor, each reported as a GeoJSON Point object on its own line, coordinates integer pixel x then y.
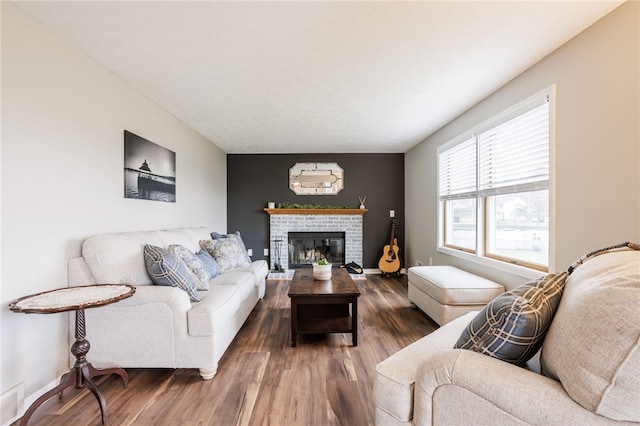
{"type": "Point", "coordinates": [261, 379]}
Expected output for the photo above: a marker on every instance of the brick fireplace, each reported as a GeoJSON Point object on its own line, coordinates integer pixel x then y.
{"type": "Point", "coordinates": [284, 221]}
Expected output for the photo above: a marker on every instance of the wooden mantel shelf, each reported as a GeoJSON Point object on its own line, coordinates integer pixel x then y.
{"type": "Point", "coordinates": [316, 211]}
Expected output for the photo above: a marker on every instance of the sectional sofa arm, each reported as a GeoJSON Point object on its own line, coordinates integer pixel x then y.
{"type": "Point", "coordinates": [463, 387]}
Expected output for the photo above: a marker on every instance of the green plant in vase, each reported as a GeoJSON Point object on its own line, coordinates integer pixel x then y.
{"type": "Point", "coordinates": [322, 270]}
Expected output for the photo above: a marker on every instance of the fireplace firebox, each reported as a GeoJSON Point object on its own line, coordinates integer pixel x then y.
{"type": "Point", "coordinates": [305, 248]}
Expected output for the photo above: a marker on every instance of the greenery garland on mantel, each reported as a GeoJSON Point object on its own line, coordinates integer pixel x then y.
{"type": "Point", "coordinates": [311, 206]}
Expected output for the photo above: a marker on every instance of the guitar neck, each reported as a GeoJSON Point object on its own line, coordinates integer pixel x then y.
{"type": "Point", "coordinates": [393, 230]}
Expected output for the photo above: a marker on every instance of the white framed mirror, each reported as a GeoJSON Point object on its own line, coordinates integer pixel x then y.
{"type": "Point", "coordinates": [316, 178]}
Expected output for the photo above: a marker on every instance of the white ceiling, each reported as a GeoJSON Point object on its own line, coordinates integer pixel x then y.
{"type": "Point", "coordinates": [292, 77]}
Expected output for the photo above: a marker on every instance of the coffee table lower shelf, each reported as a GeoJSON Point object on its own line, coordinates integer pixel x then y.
{"type": "Point", "coordinates": [324, 325]}
{"type": "Point", "coordinates": [335, 315]}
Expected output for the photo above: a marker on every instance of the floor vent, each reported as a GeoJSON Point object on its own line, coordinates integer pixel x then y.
{"type": "Point", "coordinates": [12, 401]}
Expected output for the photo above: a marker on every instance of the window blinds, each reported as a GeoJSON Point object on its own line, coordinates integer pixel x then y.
{"type": "Point", "coordinates": [515, 154]}
{"type": "Point", "coordinates": [457, 170]}
{"type": "Point", "coordinates": [512, 156]}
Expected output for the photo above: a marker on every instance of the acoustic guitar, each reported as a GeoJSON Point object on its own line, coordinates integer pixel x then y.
{"type": "Point", "coordinates": [390, 261]}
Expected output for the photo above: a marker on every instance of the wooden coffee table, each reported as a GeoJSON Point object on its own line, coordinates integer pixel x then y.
{"type": "Point", "coordinates": [321, 307]}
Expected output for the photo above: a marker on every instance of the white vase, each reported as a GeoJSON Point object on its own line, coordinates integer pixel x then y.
{"type": "Point", "coordinates": [322, 272]}
{"type": "Point", "coordinates": [271, 205]}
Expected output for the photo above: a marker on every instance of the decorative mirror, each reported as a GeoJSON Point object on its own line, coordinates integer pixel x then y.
{"type": "Point", "coordinates": [316, 178]}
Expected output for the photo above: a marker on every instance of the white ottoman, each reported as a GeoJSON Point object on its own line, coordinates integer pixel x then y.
{"type": "Point", "coordinates": [446, 292]}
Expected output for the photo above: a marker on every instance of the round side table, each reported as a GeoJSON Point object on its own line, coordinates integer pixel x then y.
{"type": "Point", "coordinates": [75, 299]}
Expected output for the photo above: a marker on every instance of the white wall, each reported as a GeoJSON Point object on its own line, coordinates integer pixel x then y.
{"type": "Point", "coordinates": [597, 146]}
{"type": "Point", "coordinates": [63, 118]}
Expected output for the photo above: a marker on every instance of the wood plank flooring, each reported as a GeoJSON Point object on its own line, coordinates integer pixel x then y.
{"type": "Point", "coordinates": [261, 379]}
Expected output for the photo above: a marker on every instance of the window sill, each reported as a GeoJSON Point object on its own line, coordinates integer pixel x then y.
{"type": "Point", "coordinates": [530, 274]}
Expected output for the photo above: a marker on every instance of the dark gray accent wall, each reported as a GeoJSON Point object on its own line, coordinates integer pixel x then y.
{"type": "Point", "coordinates": [254, 179]}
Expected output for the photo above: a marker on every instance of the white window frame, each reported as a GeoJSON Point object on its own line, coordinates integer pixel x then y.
{"type": "Point", "coordinates": [478, 256]}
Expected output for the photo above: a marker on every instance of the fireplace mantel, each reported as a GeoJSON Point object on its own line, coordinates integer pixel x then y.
{"type": "Point", "coordinates": [316, 211]}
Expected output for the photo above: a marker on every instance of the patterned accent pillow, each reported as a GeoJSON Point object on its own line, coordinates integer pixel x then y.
{"type": "Point", "coordinates": [193, 264]}
{"type": "Point", "coordinates": [513, 325]}
{"type": "Point", "coordinates": [211, 267]}
{"type": "Point", "coordinates": [227, 253]}
{"type": "Point", "coordinates": [164, 268]}
{"type": "Point", "coordinates": [237, 236]}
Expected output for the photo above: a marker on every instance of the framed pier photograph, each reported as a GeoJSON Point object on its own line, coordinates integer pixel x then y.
{"type": "Point", "coordinates": [149, 170]}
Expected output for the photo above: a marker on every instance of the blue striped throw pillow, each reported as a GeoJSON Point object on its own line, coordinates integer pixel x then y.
{"type": "Point", "coordinates": [164, 268]}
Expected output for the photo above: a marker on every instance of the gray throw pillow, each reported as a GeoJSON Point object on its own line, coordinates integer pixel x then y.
{"type": "Point", "coordinates": [513, 325]}
{"type": "Point", "coordinates": [164, 268]}
{"type": "Point", "coordinates": [211, 267]}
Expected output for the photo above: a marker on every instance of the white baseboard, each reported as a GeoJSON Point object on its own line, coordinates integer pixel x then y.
{"type": "Point", "coordinates": [17, 404]}
{"type": "Point", "coordinates": [376, 271]}
{"type": "Point", "coordinates": [12, 403]}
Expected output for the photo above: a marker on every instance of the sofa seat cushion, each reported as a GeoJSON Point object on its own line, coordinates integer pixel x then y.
{"type": "Point", "coordinates": [593, 344]}
{"type": "Point", "coordinates": [396, 376]}
{"type": "Point", "coordinates": [242, 279]}
{"type": "Point", "coordinates": [259, 269]}
{"type": "Point", "coordinates": [449, 285]}
{"type": "Point", "coordinates": [215, 308]}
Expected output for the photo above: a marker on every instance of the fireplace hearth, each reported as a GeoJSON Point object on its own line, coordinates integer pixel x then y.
{"type": "Point", "coordinates": [306, 248]}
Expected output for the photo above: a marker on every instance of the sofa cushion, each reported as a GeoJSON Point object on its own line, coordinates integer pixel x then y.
{"type": "Point", "coordinates": [218, 306]}
{"type": "Point", "coordinates": [592, 346]}
{"type": "Point", "coordinates": [211, 267]}
{"type": "Point", "coordinates": [164, 268]}
{"type": "Point", "coordinates": [116, 258]}
{"type": "Point", "coordinates": [259, 268]}
{"type": "Point", "coordinates": [238, 237]}
{"type": "Point", "coordinates": [187, 237]}
{"type": "Point", "coordinates": [513, 325]}
{"type": "Point", "coordinates": [194, 265]}
{"type": "Point", "coordinates": [227, 253]}
{"type": "Point", "coordinates": [241, 279]}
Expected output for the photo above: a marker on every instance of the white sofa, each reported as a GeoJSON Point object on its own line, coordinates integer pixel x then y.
{"type": "Point", "coordinates": [587, 372]}
{"type": "Point", "coordinates": [159, 327]}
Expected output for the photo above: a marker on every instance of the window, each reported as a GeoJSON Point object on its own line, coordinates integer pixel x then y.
{"type": "Point", "coordinates": [493, 187]}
